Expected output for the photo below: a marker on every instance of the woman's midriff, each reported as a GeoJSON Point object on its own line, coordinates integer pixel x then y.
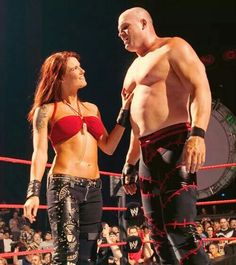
{"type": "Point", "coordinates": [75, 159]}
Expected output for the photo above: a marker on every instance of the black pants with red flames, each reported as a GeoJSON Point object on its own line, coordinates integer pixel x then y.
{"type": "Point", "coordinates": [169, 197]}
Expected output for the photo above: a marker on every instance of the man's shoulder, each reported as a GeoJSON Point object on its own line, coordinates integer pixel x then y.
{"type": "Point", "coordinates": [177, 42]}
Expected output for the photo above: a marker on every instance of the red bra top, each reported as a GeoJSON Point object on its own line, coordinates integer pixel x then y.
{"type": "Point", "coordinates": [70, 125]}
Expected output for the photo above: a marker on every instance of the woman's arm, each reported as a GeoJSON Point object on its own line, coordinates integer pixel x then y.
{"type": "Point", "coordinates": [39, 160]}
{"type": "Point", "coordinates": [108, 142]}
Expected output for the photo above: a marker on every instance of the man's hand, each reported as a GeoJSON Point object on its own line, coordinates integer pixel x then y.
{"type": "Point", "coordinates": [31, 207]}
{"type": "Point", "coordinates": [129, 179]}
{"type": "Point", "coordinates": [194, 153]}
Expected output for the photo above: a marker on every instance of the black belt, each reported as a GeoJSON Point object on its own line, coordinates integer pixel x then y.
{"type": "Point", "coordinates": [82, 182]}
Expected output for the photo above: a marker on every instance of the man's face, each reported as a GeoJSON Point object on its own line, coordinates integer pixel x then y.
{"type": "Point", "coordinates": [233, 223]}
{"type": "Point", "coordinates": [224, 224]}
{"type": "Point", "coordinates": [133, 232]}
{"type": "Point", "coordinates": [129, 30]}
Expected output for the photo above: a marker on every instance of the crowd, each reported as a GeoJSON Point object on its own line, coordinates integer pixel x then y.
{"type": "Point", "coordinates": [16, 234]}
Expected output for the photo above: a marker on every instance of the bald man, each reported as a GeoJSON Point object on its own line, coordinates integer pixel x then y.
{"type": "Point", "coordinates": [170, 112]}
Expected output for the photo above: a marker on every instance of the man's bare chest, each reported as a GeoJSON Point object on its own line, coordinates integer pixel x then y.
{"type": "Point", "coordinates": [150, 69]}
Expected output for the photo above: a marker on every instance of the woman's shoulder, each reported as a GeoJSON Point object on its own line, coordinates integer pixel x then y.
{"type": "Point", "coordinates": [45, 110]}
{"type": "Point", "coordinates": [90, 106]}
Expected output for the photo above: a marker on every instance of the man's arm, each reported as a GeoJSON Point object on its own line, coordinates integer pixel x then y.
{"type": "Point", "coordinates": [192, 74]}
{"type": "Point", "coordinates": [129, 174]}
{"type": "Point", "coordinates": [133, 153]}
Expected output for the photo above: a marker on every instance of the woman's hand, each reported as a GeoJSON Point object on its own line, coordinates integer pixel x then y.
{"type": "Point", "coordinates": [126, 98]}
{"type": "Point", "coordinates": [31, 207]}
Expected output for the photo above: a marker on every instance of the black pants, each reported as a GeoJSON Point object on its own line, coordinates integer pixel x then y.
{"type": "Point", "coordinates": [169, 197]}
{"type": "Point", "coordinates": [74, 210]}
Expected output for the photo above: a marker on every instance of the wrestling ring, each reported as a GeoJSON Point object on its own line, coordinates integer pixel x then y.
{"type": "Point", "coordinates": [218, 173]}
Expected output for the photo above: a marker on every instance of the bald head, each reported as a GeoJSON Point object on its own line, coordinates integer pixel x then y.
{"type": "Point", "coordinates": [137, 12]}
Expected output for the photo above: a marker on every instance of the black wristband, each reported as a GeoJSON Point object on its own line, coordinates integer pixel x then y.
{"type": "Point", "coordinates": [34, 188]}
{"type": "Point", "coordinates": [123, 117]}
{"type": "Point", "coordinates": [129, 175]}
{"type": "Point", "coordinates": [197, 131]}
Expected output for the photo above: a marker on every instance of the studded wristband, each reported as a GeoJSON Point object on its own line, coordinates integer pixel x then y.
{"type": "Point", "coordinates": [33, 189]}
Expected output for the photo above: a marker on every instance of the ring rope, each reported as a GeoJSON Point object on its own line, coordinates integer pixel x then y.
{"type": "Point", "coordinates": [28, 162]}
{"type": "Point", "coordinates": [12, 206]}
{"type": "Point", "coordinates": [23, 253]}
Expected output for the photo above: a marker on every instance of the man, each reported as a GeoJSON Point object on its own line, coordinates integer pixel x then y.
{"type": "Point", "coordinates": [170, 112]}
{"type": "Point", "coordinates": [226, 230]}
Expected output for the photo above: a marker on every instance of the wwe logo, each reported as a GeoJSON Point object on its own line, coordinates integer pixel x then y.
{"type": "Point", "coordinates": [134, 211]}
{"type": "Point", "coordinates": [133, 244]}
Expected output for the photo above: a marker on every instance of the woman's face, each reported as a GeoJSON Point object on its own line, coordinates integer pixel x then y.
{"type": "Point", "coordinates": [47, 258]}
{"type": "Point", "coordinates": [213, 249]}
{"type": "Point", "coordinates": [2, 262]}
{"type": "Point", "coordinates": [210, 231]}
{"type": "Point", "coordinates": [74, 75]}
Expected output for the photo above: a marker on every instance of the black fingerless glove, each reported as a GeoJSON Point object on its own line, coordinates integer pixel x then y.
{"type": "Point", "coordinates": [123, 117]}
{"type": "Point", "coordinates": [34, 188]}
{"type": "Point", "coordinates": [129, 175]}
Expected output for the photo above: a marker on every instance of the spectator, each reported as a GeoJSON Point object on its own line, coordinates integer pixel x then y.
{"type": "Point", "coordinates": [108, 255]}
{"type": "Point", "coordinates": [116, 230]}
{"type": "Point", "coordinates": [206, 224]}
{"type": "Point", "coordinates": [37, 240]}
{"type": "Point", "coordinates": [47, 243]}
{"type": "Point", "coordinates": [7, 241]}
{"type": "Point", "coordinates": [225, 230]}
{"type": "Point", "coordinates": [210, 232]}
{"type": "Point", "coordinates": [26, 235]}
{"type": "Point", "coordinates": [15, 221]}
{"type": "Point", "coordinates": [148, 249]}
{"type": "Point", "coordinates": [47, 258]}
{"type": "Point", "coordinates": [216, 225]}
{"type": "Point", "coordinates": [3, 261]}
{"type": "Point", "coordinates": [200, 231]}
{"type": "Point", "coordinates": [137, 257]}
{"type": "Point", "coordinates": [232, 223]}
{"type": "Point", "coordinates": [36, 260]}
{"type": "Point", "coordinates": [15, 230]}
{"type": "Point", "coordinates": [214, 251]}
{"type": "Point", "coordinates": [2, 224]}
{"type": "Point", "coordinates": [25, 260]}
{"type": "Point", "coordinates": [1, 242]}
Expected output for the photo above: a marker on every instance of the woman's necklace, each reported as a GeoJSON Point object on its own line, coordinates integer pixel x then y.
{"type": "Point", "coordinates": [79, 113]}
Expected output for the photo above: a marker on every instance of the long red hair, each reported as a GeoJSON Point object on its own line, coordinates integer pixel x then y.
{"type": "Point", "coordinates": [48, 88]}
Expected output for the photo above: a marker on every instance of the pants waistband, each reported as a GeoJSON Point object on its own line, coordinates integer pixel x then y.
{"type": "Point", "coordinates": [166, 132]}
{"type": "Point", "coordinates": [82, 182]}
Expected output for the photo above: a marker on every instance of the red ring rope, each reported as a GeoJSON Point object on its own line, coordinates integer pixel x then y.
{"type": "Point", "coordinates": [27, 162]}
{"type": "Point", "coordinates": [22, 253]}
{"type": "Point", "coordinates": [12, 206]}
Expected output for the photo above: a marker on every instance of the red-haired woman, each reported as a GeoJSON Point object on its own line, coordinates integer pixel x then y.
{"type": "Point", "coordinates": [76, 131]}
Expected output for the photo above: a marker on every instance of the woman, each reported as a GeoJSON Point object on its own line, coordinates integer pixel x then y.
{"type": "Point", "coordinates": [76, 131]}
{"type": "Point", "coordinates": [3, 261]}
{"type": "Point", "coordinates": [214, 251]}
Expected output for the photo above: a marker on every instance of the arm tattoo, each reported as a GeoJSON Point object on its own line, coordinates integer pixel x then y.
{"type": "Point", "coordinates": [40, 119]}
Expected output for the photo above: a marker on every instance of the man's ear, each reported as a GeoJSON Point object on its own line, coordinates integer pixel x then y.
{"type": "Point", "coordinates": [143, 23]}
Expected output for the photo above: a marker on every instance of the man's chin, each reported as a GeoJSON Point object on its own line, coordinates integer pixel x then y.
{"type": "Point", "coordinates": [129, 48]}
